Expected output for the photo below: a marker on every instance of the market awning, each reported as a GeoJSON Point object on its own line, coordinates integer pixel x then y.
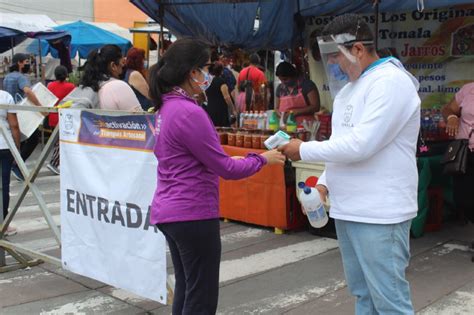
{"type": "Point", "coordinates": [226, 22]}
{"type": "Point", "coordinates": [15, 28]}
{"type": "Point", "coordinates": [260, 24]}
{"type": "Point", "coordinates": [87, 37]}
{"type": "Point", "coordinates": [150, 29]}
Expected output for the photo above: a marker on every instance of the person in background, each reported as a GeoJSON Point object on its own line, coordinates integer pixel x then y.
{"type": "Point", "coordinates": [60, 87]}
{"type": "Point", "coordinates": [8, 119]}
{"type": "Point", "coordinates": [135, 76]}
{"type": "Point", "coordinates": [227, 74]}
{"type": "Point", "coordinates": [459, 117]}
{"type": "Point", "coordinates": [219, 101]}
{"type": "Point", "coordinates": [295, 94]}
{"type": "Point", "coordinates": [256, 76]}
{"type": "Point", "coordinates": [17, 84]}
{"type": "Point", "coordinates": [101, 73]}
{"type": "Point", "coordinates": [185, 205]}
{"type": "Point", "coordinates": [371, 171]}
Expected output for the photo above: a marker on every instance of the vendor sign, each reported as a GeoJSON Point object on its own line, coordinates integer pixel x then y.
{"type": "Point", "coordinates": [108, 177]}
{"type": "Point", "coordinates": [436, 46]}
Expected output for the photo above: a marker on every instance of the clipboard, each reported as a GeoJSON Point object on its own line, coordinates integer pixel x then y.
{"type": "Point", "coordinates": [30, 121]}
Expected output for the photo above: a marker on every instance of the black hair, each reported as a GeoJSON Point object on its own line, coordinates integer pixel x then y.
{"type": "Point", "coordinates": [214, 56]}
{"type": "Point", "coordinates": [254, 59]}
{"type": "Point", "coordinates": [60, 73]}
{"type": "Point", "coordinates": [96, 68]}
{"type": "Point", "coordinates": [216, 69]}
{"type": "Point", "coordinates": [388, 52]}
{"type": "Point", "coordinates": [286, 69]}
{"type": "Point", "coordinates": [352, 24]}
{"type": "Point", "coordinates": [174, 67]}
{"type": "Point", "coordinates": [14, 68]}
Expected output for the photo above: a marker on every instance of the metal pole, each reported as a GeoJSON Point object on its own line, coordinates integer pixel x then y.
{"type": "Point", "coordinates": [148, 40]}
{"type": "Point", "coordinates": [162, 14]}
{"type": "Point", "coordinates": [12, 46]}
{"type": "Point", "coordinates": [2, 251]}
{"type": "Point", "coordinates": [40, 65]}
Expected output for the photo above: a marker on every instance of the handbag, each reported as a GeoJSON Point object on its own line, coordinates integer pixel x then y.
{"type": "Point", "coordinates": [455, 157]}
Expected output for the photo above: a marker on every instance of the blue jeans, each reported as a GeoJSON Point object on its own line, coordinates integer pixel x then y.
{"type": "Point", "coordinates": [375, 257]}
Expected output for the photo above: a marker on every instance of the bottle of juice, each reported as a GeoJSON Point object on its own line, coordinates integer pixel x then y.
{"type": "Point", "coordinates": [273, 121]}
{"type": "Point", "coordinates": [291, 123]}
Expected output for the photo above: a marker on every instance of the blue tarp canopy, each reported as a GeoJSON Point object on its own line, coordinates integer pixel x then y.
{"type": "Point", "coordinates": [260, 24]}
{"type": "Point", "coordinates": [85, 38]}
{"type": "Point", "coordinates": [9, 37]}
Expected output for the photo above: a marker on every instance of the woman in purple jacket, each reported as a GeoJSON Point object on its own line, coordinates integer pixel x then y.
{"type": "Point", "coordinates": [190, 160]}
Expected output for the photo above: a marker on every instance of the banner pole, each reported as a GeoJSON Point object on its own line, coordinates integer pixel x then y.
{"type": "Point", "coordinates": [2, 251]}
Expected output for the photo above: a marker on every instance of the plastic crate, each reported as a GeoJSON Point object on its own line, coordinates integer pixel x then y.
{"type": "Point", "coordinates": [434, 219]}
{"type": "Point", "coordinates": [324, 131]}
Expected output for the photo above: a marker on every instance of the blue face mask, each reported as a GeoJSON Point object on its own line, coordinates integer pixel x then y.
{"type": "Point", "coordinates": [204, 85]}
{"type": "Point", "coordinates": [336, 72]}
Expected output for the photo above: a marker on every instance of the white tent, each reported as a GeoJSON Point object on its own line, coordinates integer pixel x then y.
{"type": "Point", "coordinates": [27, 22]}
{"type": "Point", "coordinates": [111, 27]}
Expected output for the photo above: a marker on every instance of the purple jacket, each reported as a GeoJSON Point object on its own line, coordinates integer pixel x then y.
{"type": "Point", "coordinates": [190, 161]}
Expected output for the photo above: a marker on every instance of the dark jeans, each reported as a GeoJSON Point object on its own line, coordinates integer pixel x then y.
{"type": "Point", "coordinates": [6, 159]}
{"type": "Point", "coordinates": [29, 145]}
{"type": "Point", "coordinates": [195, 248]}
{"type": "Point", "coordinates": [463, 191]}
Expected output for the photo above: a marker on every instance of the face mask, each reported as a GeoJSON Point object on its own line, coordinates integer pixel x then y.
{"type": "Point", "coordinates": [337, 73]}
{"type": "Point", "coordinates": [204, 85]}
{"type": "Point", "coordinates": [26, 68]}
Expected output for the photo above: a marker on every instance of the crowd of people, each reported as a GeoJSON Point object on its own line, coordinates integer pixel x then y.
{"type": "Point", "coordinates": [376, 121]}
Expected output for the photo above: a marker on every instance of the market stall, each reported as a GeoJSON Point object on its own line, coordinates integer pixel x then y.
{"type": "Point", "coordinates": [432, 38]}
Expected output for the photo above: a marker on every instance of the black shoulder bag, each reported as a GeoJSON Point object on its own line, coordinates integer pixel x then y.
{"type": "Point", "coordinates": [455, 157]}
{"type": "Point", "coordinates": [247, 87]}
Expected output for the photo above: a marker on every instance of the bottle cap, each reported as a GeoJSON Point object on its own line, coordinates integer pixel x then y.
{"type": "Point", "coordinates": [301, 185]}
{"type": "Point", "coordinates": [307, 190]}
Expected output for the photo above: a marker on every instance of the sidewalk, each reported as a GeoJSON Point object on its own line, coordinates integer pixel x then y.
{"type": "Point", "coordinates": [261, 273]}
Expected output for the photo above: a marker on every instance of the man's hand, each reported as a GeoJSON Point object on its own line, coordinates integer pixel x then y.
{"type": "Point", "coordinates": [292, 149]}
{"type": "Point", "coordinates": [323, 193]}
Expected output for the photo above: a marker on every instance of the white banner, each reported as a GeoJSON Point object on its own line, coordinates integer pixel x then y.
{"type": "Point", "coordinates": [108, 177]}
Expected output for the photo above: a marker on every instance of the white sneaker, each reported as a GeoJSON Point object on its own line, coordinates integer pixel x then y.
{"type": "Point", "coordinates": [10, 231]}
{"type": "Point", "coordinates": [53, 168]}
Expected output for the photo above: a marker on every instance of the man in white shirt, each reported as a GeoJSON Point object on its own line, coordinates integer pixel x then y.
{"type": "Point", "coordinates": [10, 123]}
{"type": "Point", "coordinates": [371, 172]}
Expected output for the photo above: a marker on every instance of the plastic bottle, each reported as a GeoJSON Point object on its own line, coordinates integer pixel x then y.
{"type": "Point", "coordinates": [246, 119]}
{"type": "Point", "coordinates": [260, 121]}
{"type": "Point", "coordinates": [314, 208]}
{"type": "Point", "coordinates": [282, 121]}
{"type": "Point", "coordinates": [265, 120]}
{"type": "Point", "coordinates": [273, 121]}
{"type": "Point", "coordinates": [291, 123]}
{"type": "Point", "coordinates": [241, 120]}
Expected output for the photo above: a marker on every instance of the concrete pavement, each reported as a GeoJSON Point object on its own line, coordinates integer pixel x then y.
{"type": "Point", "coordinates": [261, 273]}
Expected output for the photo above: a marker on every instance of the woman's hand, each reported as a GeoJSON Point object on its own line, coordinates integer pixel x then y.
{"type": "Point", "coordinates": [273, 157]}
{"type": "Point", "coordinates": [452, 125]}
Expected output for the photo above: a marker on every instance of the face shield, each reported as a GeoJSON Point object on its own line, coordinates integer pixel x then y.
{"type": "Point", "coordinates": [340, 65]}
